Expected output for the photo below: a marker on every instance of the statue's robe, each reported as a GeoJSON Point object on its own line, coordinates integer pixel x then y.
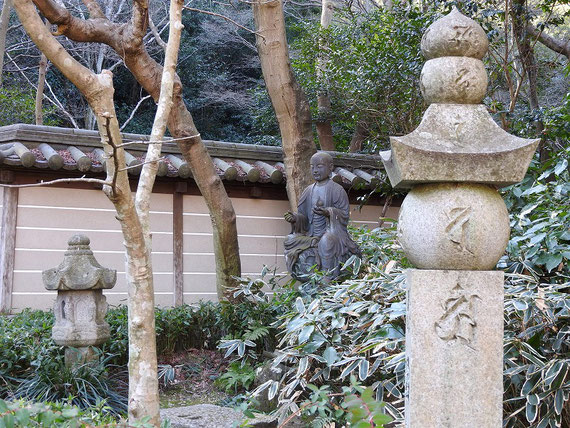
{"type": "Point", "coordinates": [316, 239]}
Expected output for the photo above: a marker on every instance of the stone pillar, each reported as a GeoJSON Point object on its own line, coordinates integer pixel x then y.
{"type": "Point", "coordinates": [454, 227]}
{"type": "Point", "coordinates": [80, 306]}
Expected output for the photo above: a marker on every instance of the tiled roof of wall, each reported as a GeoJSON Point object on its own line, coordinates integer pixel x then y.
{"type": "Point", "coordinates": [33, 146]}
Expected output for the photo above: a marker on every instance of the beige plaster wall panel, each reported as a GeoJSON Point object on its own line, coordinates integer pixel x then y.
{"type": "Point", "coordinates": [50, 216]}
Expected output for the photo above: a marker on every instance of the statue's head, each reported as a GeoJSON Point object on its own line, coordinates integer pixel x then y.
{"type": "Point", "coordinates": [321, 166]}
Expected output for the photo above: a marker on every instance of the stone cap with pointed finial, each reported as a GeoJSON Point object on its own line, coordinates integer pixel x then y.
{"type": "Point", "coordinates": [457, 140]}
{"type": "Point", "coordinates": [454, 35]}
{"type": "Point", "coordinates": [79, 269]}
{"type": "Point", "coordinates": [454, 72]}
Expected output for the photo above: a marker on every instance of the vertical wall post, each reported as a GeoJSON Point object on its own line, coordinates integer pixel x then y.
{"type": "Point", "coordinates": [178, 241]}
{"type": "Point", "coordinates": [8, 246]}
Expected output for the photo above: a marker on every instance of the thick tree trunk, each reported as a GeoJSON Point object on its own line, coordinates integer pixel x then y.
{"type": "Point", "coordinates": [358, 137]}
{"type": "Point", "coordinates": [4, 23]}
{"type": "Point", "coordinates": [222, 214]}
{"type": "Point", "coordinates": [180, 123]}
{"type": "Point", "coordinates": [288, 100]}
{"type": "Point", "coordinates": [324, 127]}
{"type": "Point", "coordinates": [529, 64]}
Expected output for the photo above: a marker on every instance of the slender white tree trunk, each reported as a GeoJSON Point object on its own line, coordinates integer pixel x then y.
{"type": "Point", "coordinates": [98, 90]}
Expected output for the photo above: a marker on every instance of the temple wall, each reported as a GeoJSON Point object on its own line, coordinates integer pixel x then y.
{"type": "Point", "coordinates": [48, 217]}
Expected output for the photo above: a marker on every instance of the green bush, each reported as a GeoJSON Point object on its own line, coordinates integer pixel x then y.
{"type": "Point", "coordinates": [355, 328]}
{"type": "Point", "coordinates": [362, 56]}
{"type": "Point", "coordinates": [22, 413]}
{"type": "Point", "coordinates": [540, 219]}
{"type": "Point", "coordinates": [18, 106]}
{"type": "Point", "coordinates": [28, 414]}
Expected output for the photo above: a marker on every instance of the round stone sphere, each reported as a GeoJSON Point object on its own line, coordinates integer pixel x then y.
{"type": "Point", "coordinates": [453, 80]}
{"type": "Point", "coordinates": [456, 226]}
{"type": "Point", "coordinates": [454, 35]}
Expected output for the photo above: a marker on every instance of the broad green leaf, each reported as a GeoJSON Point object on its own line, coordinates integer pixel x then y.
{"type": "Point", "coordinates": [330, 355]}
{"type": "Point", "coordinates": [299, 305]}
{"type": "Point", "coordinates": [303, 365]}
{"type": "Point", "coordinates": [349, 369]}
{"type": "Point", "coordinates": [561, 167]}
{"type": "Point", "coordinates": [70, 412]}
{"type": "Point", "coordinates": [306, 333]}
{"type": "Point", "coordinates": [273, 390]}
{"type": "Point", "coordinates": [553, 261]}
{"type": "Point", "coordinates": [531, 412]}
{"type": "Point", "coordinates": [363, 369]}
{"type": "Point", "coordinates": [8, 420]}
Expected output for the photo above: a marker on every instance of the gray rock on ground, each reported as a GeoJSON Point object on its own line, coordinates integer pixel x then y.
{"type": "Point", "coordinates": [202, 415]}
{"type": "Point", "coordinates": [211, 416]}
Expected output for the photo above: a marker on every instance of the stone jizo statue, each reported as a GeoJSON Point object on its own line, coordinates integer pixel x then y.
{"type": "Point", "coordinates": [319, 237]}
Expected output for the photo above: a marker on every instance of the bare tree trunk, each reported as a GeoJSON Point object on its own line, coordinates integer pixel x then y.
{"type": "Point", "coordinates": [358, 137]}
{"type": "Point", "coordinates": [289, 102]}
{"type": "Point", "coordinates": [4, 23]}
{"type": "Point", "coordinates": [40, 90]}
{"type": "Point", "coordinates": [324, 127]}
{"type": "Point", "coordinates": [127, 41]}
{"type": "Point", "coordinates": [98, 90]}
{"type": "Point", "coordinates": [529, 65]}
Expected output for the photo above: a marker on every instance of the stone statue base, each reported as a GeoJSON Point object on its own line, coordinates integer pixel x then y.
{"type": "Point", "coordinates": [75, 357]}
{"type": "Point", "coordinates": [454, 349]}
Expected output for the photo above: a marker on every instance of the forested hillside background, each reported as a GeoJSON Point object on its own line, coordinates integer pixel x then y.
{"type": "Point", "coordinates": [367, 62]}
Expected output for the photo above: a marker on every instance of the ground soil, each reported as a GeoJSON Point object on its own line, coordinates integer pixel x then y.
{"type": "Point", "coordinates": [195, 372]}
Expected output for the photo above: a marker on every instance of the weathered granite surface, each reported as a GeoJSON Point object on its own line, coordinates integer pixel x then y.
{"type": "Point", "coordinates": [202, 416]}
{"type": "Point", "coordinates": [453, 226]}
{"type": "Point", "coordinates": [453, 79]}
{"type": "Point", "coordinates": [80, 318]}
{"type": "Point", "coordinates": [79, 269]}
{"type": "Point", "coordinates": [454, 35]}
{"type": "Point", "coordinates": [80, 306]}
{"type": "Point", "coordinates": [461, 143]}
{"type": "Point", "coordinates": [454, 342]}
{"type": "Point", "coordinates": [211, 416]}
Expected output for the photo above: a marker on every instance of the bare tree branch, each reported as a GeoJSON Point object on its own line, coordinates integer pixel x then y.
{"type": "Point", "coordinates": [115, 148]}
{"type": "Point", "coordinates": [58, 181]}
{"type": "Point", "coordinates": [89, 30]}
{"type": "Point", "coordinates": [156, 34]}
{"type": "Point", "coordinates": [94, 9]}
{"type": "Point", "coordinates": [139, 20]}
{"type": "Point", "coordinates": [552, 43]}
{"type": "Point", "coordinates": [223, 17]}
{"type": "Point", "coordinates": [134, 111]}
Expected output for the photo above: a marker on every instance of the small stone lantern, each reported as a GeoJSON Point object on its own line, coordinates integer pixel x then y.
{"type": "Point", "coordinates": [80, 306]}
